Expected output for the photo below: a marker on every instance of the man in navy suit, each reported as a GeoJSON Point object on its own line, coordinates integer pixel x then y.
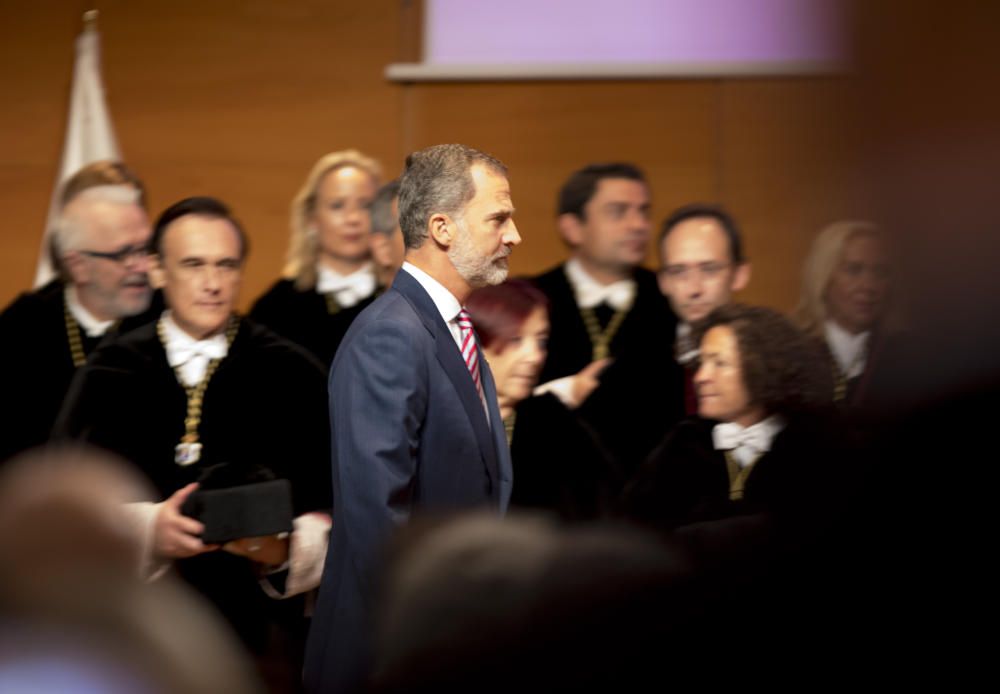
{"type": "Point", "coordinates": [415, 421]}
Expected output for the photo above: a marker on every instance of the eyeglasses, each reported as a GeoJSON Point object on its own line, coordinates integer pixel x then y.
{"type": "Point", "coordinates": [710, 270]}
{"type": "Point", "coordinates": [122, 255]}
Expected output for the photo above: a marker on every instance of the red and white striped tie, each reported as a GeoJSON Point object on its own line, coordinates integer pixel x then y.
{"type": "Point", "coordinates": [470, 352]}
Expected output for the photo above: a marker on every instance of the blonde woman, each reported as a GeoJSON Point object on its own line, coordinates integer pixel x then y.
{"type": "Point", "coordinates": [328, 277]}
{"type": "Point", "coordinates": [845, 299]}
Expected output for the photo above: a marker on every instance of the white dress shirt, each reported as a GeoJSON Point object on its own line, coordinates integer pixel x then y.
{"type": "Point", "coordinates": [449, 307]}
{"type": "Point", "coordinates": [189, 355]}
{"type": "Point", "coordinates": [590, 293]}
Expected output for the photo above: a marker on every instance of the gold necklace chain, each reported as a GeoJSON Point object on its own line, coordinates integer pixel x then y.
{"type": "Point", "coordinates": [73, 336]}
{"type": "Point", "coordinates": [600, 340]}
{"type": "Point", "coordinates": [508, 426]}
{"type": "Point", "coordinates": [840, 375]}
{"type": "Point", "coordinates": [332, 307]}
{"type": "Point", "coordinates": [188, 451]}
{"type": "Point", "coordinates": [737, 475]}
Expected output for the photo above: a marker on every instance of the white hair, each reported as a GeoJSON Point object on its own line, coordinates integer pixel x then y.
{"type": "Point", "coordinates": [70, 229]}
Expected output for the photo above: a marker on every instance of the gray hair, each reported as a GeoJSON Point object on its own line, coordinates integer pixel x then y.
{"type": "Point", "coordinates": [438, 180]}
{"type": "Point", "coordinates": [383, 220]}
{"type": "Point", "coordinates": [70, 230]}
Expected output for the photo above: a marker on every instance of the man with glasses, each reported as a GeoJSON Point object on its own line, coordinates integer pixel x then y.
{"type": "Point", "coordinates": [100, 241]}
{"type": "Point", "coordinates": [702, 264]}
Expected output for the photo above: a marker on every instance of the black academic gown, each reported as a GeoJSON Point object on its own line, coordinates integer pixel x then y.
{"type": "Point", "coordinates": [305, 318]}
{"type": "Point", "coordinates": [38, 364]}
{"type": "Point", "coordinates": [685, 480]}
{"type": "Point", "coordinates": [641, 394]}
{"type": "Point", "coordinates": [265, 405]}
{"type": "Point", "coordinates": [559, 466]}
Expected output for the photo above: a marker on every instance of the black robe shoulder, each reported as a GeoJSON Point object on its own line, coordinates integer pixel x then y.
{"type": "Point", "coordinates": [559, 466]}
{"type": "Point", "coordinates": [38, 364]}
{"type": "Point", "coordinates": [806, 473]}
{"type": "Point", "coordinates": [264, 406]}
{"type": "Point", "coordinates": [305, 318]}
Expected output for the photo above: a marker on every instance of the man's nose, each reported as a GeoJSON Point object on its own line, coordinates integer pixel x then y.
{"type": "Point", "coordinates": [510, 236]}
{"type": "Point", "coordinates": [638, 220]}
{"type": "Point", "coordinates": [536, 355]}
{"type": "Point", "coordinates": [212, 281]}
{"type": "Point", "coordinates": [702, 374]}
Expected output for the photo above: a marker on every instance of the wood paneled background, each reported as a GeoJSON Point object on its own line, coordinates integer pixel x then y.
{"type": "Point", "coordinates": [238, 98]}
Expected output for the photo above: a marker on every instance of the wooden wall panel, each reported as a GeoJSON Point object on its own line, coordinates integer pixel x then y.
{"type": "Point", "coordinates": [543, 131]}
{"type": "Point", "coordinates": [237, 98]}
{"type": "Point", "coordinates": [231, 98]}
{"type": "Point", "coordinates": [784, 173]}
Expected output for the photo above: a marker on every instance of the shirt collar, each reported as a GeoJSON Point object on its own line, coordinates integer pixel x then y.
{"type": "Point", "coordinates": [849, 350]}
{"type": "Point", "coordinates": [747, 443]}
{"type": "Point", "coordinates": [91, 325]}
{"type": "Point", "coordinates": [178, 341]}
{"type": "Point", "coordinates": [447, 303]}
{"type": "Point", "coordinates": [349, 289]}
{"type": "Point", "coordinates": [590, 293]}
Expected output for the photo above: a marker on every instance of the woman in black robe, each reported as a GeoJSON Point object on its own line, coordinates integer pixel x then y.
{"type": "Point", "coordinates": [765, 440]}
{"type": "Point", "coordinates": [329, 277]}
{"type": "Point", "coordinates": [558, 464]}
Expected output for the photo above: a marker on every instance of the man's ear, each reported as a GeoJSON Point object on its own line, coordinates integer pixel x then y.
{"type": "Point", "coordinates": [75, 266]}
{"type": "Point", "coordinates": [741, 278]}
{"type": "Point", "coordinates": [663, 281]}
{"type": "Point", "coordinates": [381, 253]}
{"type": "Point", "coordinates": [571, 229]}
{"type": "Point", "coordinates": [442, 229]}
{"type": "Point", "coordinates": [157, 276]}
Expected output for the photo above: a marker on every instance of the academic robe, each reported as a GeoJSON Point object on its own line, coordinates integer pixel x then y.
{"type": "Point", "coordinates": [686, 480]}
{"type": "Point", "coordinates": [265, 406]}
{"type": "Point", "coordinates": [38, 364]}
{"type": "Point", "coordinates": [641, 395]}
{"type": "Point", "coordinates": [305, 318]}
{"type": "Point", "coordinates": [559, 466]}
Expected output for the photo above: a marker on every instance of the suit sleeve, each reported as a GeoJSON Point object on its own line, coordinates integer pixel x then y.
{"type": "Point", "coordinates": [379, 394]}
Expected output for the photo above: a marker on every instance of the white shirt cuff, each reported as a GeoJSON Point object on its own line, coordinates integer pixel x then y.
{"type": "Point", "coordinates": [562, 388]}
{"type": "Point", "coordinates": [140, 518]}
{"type": "Point", "coordinates": [306, 554]}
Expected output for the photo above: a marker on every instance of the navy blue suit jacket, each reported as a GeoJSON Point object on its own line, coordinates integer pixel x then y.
{"type": "Point", "coordinates": [409, 434]}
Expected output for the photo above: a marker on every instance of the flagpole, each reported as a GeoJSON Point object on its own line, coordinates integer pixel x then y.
{"type": "Point", "coordinates": [89, 134]}
{"type": "Point", "coordinates": [90, 20]}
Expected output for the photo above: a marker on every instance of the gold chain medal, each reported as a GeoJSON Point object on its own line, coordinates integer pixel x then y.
{"type": "Point", "coordinates": [600, 340]}
{"type": "Point", "coordinates": [188, 451]}
{"type": "Point", "coordinates": [76, 352]}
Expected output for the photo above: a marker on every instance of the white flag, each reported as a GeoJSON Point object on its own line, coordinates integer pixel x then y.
{"type": "Point", "coordinates": [89, 133]}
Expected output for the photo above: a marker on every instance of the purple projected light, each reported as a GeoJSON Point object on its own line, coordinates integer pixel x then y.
{"type": "Point", "coordinates": [632, 31]}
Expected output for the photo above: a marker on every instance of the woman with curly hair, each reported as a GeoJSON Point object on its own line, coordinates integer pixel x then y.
{"type": "Point", "coordinates": [328, 277]}
{"type": "Point", "coordinates": [762, 441]}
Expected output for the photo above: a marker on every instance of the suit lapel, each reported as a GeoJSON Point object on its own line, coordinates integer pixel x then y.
{"type": "Point", "coordinates": [454, 368]}
{"type": "Point", "coordinates": [499, 432]}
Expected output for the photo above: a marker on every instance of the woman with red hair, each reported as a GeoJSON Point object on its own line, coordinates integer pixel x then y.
{"type": "Point", "coordinates": [558, 465]}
